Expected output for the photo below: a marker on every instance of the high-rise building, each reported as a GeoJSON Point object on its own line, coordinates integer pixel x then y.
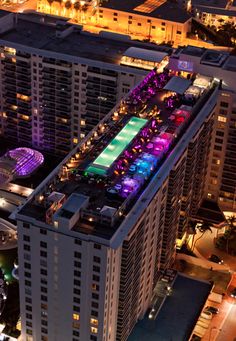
{"type": "Point", "coordinates": [57, 85]}
{"type": "Point", "coordinates": [221, 182]}
{"type": "Point", "coordinates": [95, 234]}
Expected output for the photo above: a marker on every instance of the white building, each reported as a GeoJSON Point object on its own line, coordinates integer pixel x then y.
{"type": "Point", "coordinates": [91, 244]}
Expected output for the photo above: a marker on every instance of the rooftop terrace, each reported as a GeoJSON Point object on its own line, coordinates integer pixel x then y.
{"type": "Point", "coordinates": [108, 172]}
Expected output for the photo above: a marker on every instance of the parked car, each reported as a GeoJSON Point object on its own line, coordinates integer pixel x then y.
{"type": "Point", "coordinates": [233, 293]}
{"type": "Point", "coordinates": [215, 259]}
{"type": "Point", "coordinates": [212, 310]}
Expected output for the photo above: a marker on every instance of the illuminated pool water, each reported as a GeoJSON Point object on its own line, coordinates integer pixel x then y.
{"type": "Point", "coordinates": [116, 146]}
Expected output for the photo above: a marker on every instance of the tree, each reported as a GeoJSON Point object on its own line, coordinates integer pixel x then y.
{"type": "Point", "coordinates": [227, 32]}
{"type": "Point", "coordinates": [203, 227]}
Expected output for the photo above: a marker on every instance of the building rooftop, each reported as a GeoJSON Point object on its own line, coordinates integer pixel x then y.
{"type": "Point", "coordinates": [217, 11]}
{"type": "Point", "coordinates": [175, 312]}
{"type": "Point", "coordinates": [116, 163]}
{"type": "Point", "coordinates": [72, 42]}
{"type": "Point", "coordinates": [210, 3]}
{"type": "Point", "coordinates": [165, 10]}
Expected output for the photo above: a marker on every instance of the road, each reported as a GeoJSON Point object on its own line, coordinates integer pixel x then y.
{"type": "Point", "coordinates": [206, 247]}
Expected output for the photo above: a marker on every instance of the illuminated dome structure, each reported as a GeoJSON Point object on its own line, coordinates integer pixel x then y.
{"type": "Point", "coordinates": [19, 162]}
{"type": "Point", "coordinates": [27, 160]}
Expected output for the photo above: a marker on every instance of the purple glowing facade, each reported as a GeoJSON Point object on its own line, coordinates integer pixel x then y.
{"type": "Point", "coordinates": [27, 161]}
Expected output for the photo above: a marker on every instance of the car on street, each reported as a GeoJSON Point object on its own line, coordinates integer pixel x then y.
{"type": "Point", "coordinates": [215, 259]}
{"type": "Point", "coordinates": [212, 310]}
{"type": "Point", "coordinates": [233, 293]}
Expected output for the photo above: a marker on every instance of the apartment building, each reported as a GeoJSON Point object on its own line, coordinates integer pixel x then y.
{"type": "Point", "coordinates": [221, 183]}
{"type": "Point", "coordinates": [97, 231]}
{"type": "Point", "coordinates": [160, 21]}
{"type": "Point", "coordinates": [58, 85]}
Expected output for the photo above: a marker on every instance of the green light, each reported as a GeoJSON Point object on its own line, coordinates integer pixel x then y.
{"type": "Point", "coordinates": [116, 146]}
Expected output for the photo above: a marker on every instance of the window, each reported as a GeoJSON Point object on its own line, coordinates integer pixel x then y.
{"type": "Point", "coordinates": [115, 14]}
{"type": "Point", "coordinates": [96, 278]}
{"type": "Point", "coordinates": [178, 32]}
{"type": "Point", "coordinates": [76, 282]}
{"type": "Point", "coordinates": [26, 247]}
{"type": "Point", "coordinates": [76, 300]}
{"type": "Point", "coordinates": [26, 225]}
{"type": "Point", "coordinates": [93, 337]}
{"type": "Point", "coordinates": [76, 317]}
{"type": "Point", "coordinates": [224, 104]}
{"type": "Point", "coordinates": [96, 268]}
{"type": "Point", "coordinates": [97, 259]}
{"type": "Point", "coordinates": [43, 253]}
{"type": "Point", "coordinates": [218, 140]}
{"type": "Point", "coordinates": [77, 241]}
{"type": "Point", "coordinates": [43, 244]}
{"type": "Point", "coordinates": [77, 254]}
{"type": "Point", "coordinates": [94, 321]}
{"type": "Point", "coordinates": [77, 264]}
{"type": "Point", "coordinates": [94, 330]}
{"type": "Point", "coordinates": [220, 133]}
{"type": "Point", "coordinates": [222, 119]}
{"type": "Point", "coordinates": [94, 313]}
{"type": "Point", "coordinates": [95, 305]}
{"type": "Point", "coordinates": [217, 147]}
{"type": "Point", "coordinates": [97, 246]}
{"type": "Point", "coordinates": [95, 287]}
{"type": "Point", "coordinates": [115, 19]}
{"type": "Point", "coordinates": [43, 231]}
{"type": "Point", "coordinates": [95, 296]}
{"type": "Point", "coordinates": [26, 238]}
{"type": "Point", "coordinates": [75, 333]}
{"type": "Point", "coordinates": [139, 24]}
{"type": "Point", "coordinates": [43, 272]}
{"type": "Point", "coordinates": [77, 273]}
{"type": "Point", "coordinates": [44, 298]}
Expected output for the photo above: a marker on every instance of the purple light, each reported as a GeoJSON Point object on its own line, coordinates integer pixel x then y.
{"type": "Point", "coordinates": [27, 160]}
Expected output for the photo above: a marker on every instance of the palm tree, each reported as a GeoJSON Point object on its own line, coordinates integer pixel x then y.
{"type": "Point", "coordinates": [50, 4]}
{"type": "Point", "coordinates": [203, 227]}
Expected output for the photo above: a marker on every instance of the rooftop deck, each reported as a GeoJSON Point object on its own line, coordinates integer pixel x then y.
{"type": "Point", "coordinates": [113, 176]}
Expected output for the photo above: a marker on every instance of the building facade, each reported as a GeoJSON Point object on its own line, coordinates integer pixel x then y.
{"type": "Point", "coordinates": [160, 22]}
{"type": "Point", "coordinates": [92, 243]}
{"type": "Point", "coordinates": [220, 185]}
{"type": "Point", "coordinates": [57, 87]}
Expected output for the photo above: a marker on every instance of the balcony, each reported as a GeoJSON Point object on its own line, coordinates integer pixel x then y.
{"type": "Point", "coordinates": [23, 70]}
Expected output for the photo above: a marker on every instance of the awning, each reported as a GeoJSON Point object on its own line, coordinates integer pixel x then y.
{"type": "Point", "coordinates": [144, 54]}
{"type": "Point", "coordinates": [178, 85]}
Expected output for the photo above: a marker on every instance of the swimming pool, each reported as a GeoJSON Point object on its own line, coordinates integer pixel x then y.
{"type": "Point", "coordinates": [116, 146]}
